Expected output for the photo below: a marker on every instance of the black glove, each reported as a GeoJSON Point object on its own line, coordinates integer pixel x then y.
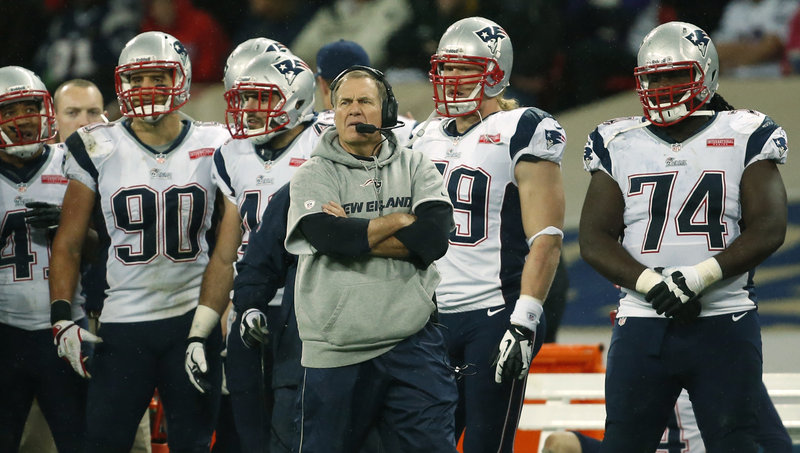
{"type": "Point", "coordinates": [514, 354]}
{"type": "Point", "coordinates": [669, 296]}
{"type": "Point", "coordinates": [253, 328]}
{"type": "Point", "coordinates": [688, 312]}
{"type": "Point", "coordinates": [42, 214]}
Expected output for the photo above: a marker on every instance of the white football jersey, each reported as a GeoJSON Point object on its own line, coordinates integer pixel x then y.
{"type": "Point", "coordinates": [157, 209]}
{"type": "Point", "coordinates": [25, 250]}
{"type": "Point", "coordinates": [483, 265]}
{"type": "Point", "coordinates": [682, 199]}
{"type": "Point", "coordinates": [248, 179]}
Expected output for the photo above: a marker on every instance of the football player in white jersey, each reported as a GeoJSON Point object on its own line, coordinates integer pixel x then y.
{"type": "Point", "coordinates": [149, 175]}
{"type": "Point", "coordinates": [501, 167]}
{"type": "Point", "coordinates": [274, 127]}
{"type": "Point", "coordinates": [32, 187]}
{"type": "Point", "coordinates": [694, 186]}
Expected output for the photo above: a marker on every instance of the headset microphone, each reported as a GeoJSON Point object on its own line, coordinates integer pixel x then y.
{"type": "Point", "coordinates": [366, 128]}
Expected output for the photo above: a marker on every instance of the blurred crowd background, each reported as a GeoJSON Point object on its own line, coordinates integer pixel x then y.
{"type": "Point", "coordinates": [566, 52]}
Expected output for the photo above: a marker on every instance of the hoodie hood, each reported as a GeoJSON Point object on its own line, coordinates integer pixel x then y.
{"type": "Point", "coordinates": [329, 148]}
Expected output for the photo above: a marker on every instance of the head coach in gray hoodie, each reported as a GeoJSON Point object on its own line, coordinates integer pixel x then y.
{"type": "Point", "coordinates": [367, 219]}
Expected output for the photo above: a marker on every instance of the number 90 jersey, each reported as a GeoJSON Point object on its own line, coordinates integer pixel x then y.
{"type": "Point", "coordinates": [682, 200]}
{"type": "Point", "coordinates": [25, 250]}
{"type": "Point", "coordinates": [156, 208]}
{"type": "Point", "coordinates": [483, 264]}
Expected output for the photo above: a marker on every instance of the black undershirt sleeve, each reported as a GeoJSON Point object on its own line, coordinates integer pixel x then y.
{"type": "Point", "coordinates": [427, 238]}
{"type": "Point", "coordinates": [333, 235]}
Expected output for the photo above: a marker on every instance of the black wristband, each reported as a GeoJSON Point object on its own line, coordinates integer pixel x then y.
{"type": "Point", "coordinates": [191, 340]}
{"type": "Point", "coordinates": [60, 310]}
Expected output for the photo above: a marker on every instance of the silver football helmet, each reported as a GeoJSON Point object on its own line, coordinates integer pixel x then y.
{"type": "Point", "coordinates": [23, 131]}
{"type": "Point", "coordinates": [245, 52]}
{"type": "Point", "coordinates": [279, 86]}
{"type": "Point", "coordinates": [672, 47]}
{"type": "Point", "coordinates": [151, 51]}
{"type": "Point", "coordinates": [477, 42]}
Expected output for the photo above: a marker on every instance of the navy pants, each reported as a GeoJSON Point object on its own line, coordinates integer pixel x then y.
{"type": "Point", "coordinates": [409, 392]}
{"type": "Point", "coordinates": [488, 412]}
{"type": "Point", "coordinates": [132, 361]}
{"type": "Point", "coordinates": [249, 390]}
{"type": "Point", "coordinates": [31, 368]}
{"type": "Point", "coordinates": [717, 359]}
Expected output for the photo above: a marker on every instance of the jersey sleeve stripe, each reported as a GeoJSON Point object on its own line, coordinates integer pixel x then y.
{"type": "Point", "coordinates": [600, 150]}
{"type": "Point", "coordinates": [758, 138]}
{"type": "Point", "coordinates": [78, 150]}
{"type": "Point", "coordinates": [219, 163]}
{"type": "Point", "coordinates": [526, 126]}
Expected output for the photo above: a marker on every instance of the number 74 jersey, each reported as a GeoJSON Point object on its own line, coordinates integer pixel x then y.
{"type": "Point", "coordinates": [682, 200]}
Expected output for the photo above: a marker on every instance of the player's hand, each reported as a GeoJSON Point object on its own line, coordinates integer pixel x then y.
{"type": "Point", "coordinates": [253, 328]}
{"type": "Point", "coordinates": [669, 296]}
{"type": "Point", "coordinates": [196, 365]}
{"type": "Point", "coordinates": [689, 311]}
{"type": "Point", "coordinates": [42, 214]}
{"type": "Point", "coordinates": [514, 354]}
{"type": "Point", "coordinates": [68, 336]}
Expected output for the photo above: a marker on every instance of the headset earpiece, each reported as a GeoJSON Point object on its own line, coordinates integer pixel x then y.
{"type": "Point", "coordinates": [389, 105]}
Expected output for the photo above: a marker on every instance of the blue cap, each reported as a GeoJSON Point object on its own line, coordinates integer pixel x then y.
{"type": "Point", "coordinates": [335, 57]}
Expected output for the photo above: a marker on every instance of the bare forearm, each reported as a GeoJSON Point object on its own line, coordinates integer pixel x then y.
{"type": "Point", "coordinates": [612, 261]}
{"type": "Point", "coordinates": [390, 247]}
{"type": "Point", "coordinates": [382, 228]}
{"type": "Point", "coordinates": [540, 267]}
{"type": "Point", "coordinates": [64, 273]}
{"type": "Point", "coordinates": [217, 285]}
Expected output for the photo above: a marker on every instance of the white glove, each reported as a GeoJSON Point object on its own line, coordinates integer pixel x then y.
{"type": "Point", "coordinates": [68, 336]}
{"type": "Point", "coordinates": [699, 276]}
{"type": "Point", "coordinates": [253, 328]}
{"type": "Point", "coordinates": [195, 364]}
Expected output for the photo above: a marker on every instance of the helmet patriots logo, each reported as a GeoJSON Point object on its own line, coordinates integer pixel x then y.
{"type": "Point", "coordinates": [290, 69]}
{"type": "Point", "coordinates": [491, 35]}
{"type": "Point", "coordinates": [276, 47]}
{"type": "Point", "coordinates": [179, 48]}
{"type": "Point", "coordinates": [553, 138]}
{"type": "Point", "coordinates": [700, 39]}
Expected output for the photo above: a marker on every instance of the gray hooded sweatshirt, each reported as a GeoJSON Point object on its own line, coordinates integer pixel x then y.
{"type": "Point", "coordinates": [353, 309]}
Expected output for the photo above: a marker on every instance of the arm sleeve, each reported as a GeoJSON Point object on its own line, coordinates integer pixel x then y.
{"type": "Point", "coordinates": [339, 236]}
{"type": "Point", "coordinates": [427, 238]}
{"type": "Point", "coordinates": [266, 262]}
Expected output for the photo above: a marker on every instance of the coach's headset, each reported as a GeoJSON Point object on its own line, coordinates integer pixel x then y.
{"type": "Point", "coordinates": [388, 106]}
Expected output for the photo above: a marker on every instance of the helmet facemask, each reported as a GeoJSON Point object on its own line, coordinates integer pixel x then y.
{"type": "Point", "coordinates": [250, 104]}
{"type": "Point", "coordinates": [150, 103]}
{"type": "Point", "coordinates": [22, 135]}
{"type": "Point", "coordinates": [449, 90]}
{"type": "Point", "coordinates": [670, 104]}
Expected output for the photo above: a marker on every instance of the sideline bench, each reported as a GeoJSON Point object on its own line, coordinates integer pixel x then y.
{"type": "Point", "coordinates": [560, 391]}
